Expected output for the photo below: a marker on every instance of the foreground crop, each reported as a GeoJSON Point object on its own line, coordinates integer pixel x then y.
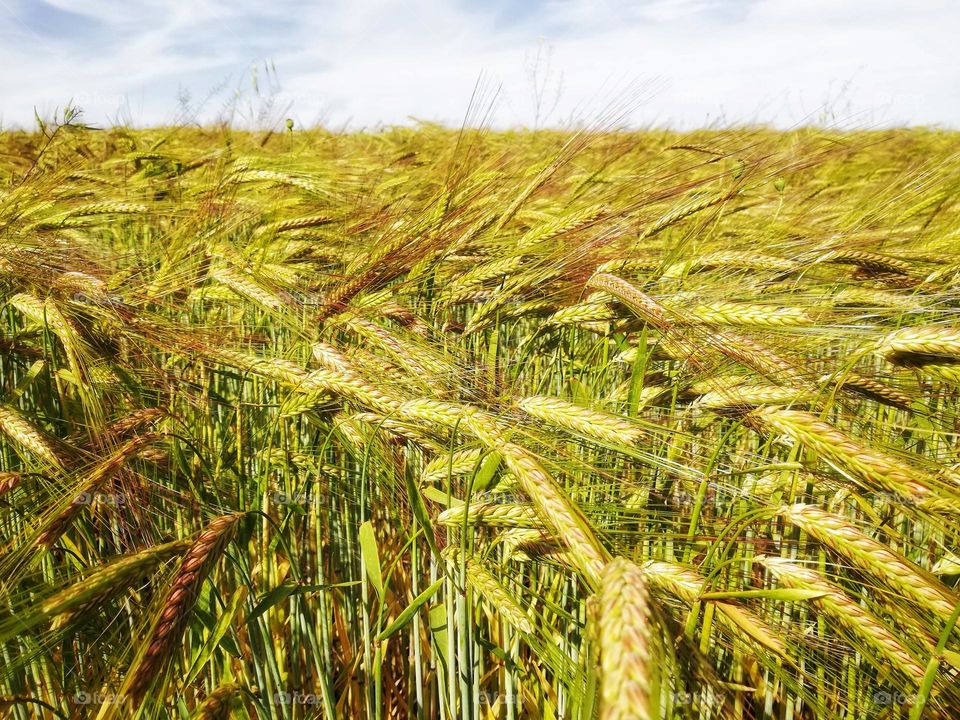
{"type": "Point", "coordinates": [439, 425]}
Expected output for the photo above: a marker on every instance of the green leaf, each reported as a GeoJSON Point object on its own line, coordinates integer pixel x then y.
{"type": "Point", "coordinates": [215, 637]}
{"type": "Point", "coordinates": [438, 626]}
{"type": "Point", "coordinates": [371, 557]}
{"type": "Point", "coordinates": [407, 615]}
{"type": "Point", "coordinates": [420, 511]}
{"type": "Point", "coordinates": [440, 496]}
{"type": "Point", "coordinates": [284, 590]}
{"type": "Point", "coordinates": [486, 472]}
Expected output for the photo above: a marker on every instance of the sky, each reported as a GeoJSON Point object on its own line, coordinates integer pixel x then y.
{"type": "Point", "coordinates": [505, 63]}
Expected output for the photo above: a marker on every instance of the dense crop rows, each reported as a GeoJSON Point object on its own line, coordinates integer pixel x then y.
{"type": "Point", "coordinates": [430, 424]}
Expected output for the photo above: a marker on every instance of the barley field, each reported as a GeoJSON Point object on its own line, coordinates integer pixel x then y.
{"type": "Point", "coordinates": [425, 423]}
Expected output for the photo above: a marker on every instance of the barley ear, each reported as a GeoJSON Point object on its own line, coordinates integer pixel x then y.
{"type": "Point", "coordinates": [178, 605]}
{"type": "Point", "coordinates": [625, 640]}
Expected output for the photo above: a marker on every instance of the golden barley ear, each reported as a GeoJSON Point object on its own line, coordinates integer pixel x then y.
{"type": "Point", "coordinates": [626, 643]}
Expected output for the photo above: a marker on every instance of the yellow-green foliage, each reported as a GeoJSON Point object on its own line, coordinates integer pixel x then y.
{"type": "Point", "coordinates": [435, 424]}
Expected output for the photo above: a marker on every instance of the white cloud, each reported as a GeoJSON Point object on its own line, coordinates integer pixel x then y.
{"type": "Point", "coordinates": [684, 62]}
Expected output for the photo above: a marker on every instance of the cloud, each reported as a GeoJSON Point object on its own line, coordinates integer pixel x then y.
{"type": "Point", "coordinates": [367, 62]}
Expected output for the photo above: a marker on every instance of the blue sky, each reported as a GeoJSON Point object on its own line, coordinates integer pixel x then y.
{"type": "Point", "coordinates": [362, 63]}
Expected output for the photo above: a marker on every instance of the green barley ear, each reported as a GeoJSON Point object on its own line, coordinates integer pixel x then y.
{"type": "Point", "coordinates": [591, 423]}
{"type": "Point", "coordinates": [560, 514]}
{"type": "Point", "coordinates": [487, 586]}
{"type": "Point", "coordinates": [934, 345]}
{"type": "Point", "coordinates": [105, 581]}
{"type": "Point", "coordinates": [871, 469]}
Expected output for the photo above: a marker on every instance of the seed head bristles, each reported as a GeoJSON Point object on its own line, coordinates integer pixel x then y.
{"type": "Point", "coordinates": [873, 558]}
{"type": "Point", "coordinates": [867, 260]}
{"type": "Point", "coordinates": [627, 266]}
{"type": "Point", "coordinates": [489, 588]}
{"type": "Point", "coordinates": [865, 297]}
{"type": "Point", "coordinates": [885, 280]}
{"type": "Point", "coordinates": [696, 148]}
{"type": "Point", "coordinates": [923, 345]}
{"type": "Point", "coordinates": [407, 355]}
{"type": "Point", "coordinates": [486, 314]}
{"type": "Point", "coordinates": [687, 585]}
{"type": "Point", "coordinates": [245, 286]}
{"type": "Point", "coordinates": [847, 613]}
{"type": "Point", "coordinates": [726, 313]}
{"type": "Point", "coordinates": [404, 317]}
{"type": "Point", "coordinates": [91, 483]}
{"type": "Point", "coordinates": [744, 350]}
{"type": "Point", "coordinates": [398, 428]}
{"type": "Point", "coordinates": [490, 515]}
{"type": "Point", "coordinates": [736, 259]}
{"type": "Point", "coordinates": [929, 201]}
{"type": "Point", "coordinates": [75, 217]}
{"type": "Point", "coordinates": [178, 603]}
{"type": "Point", "coordinates": [571, 222]}
{"type": "Point", "coordinates": [557, 511]}
{"type": "Point", "coordinates": [441, 413]}
{"type": "Point", "coordinates": [300, 223]}
{"type": "Point", "coordinates": [43, 446]}
{"type": "Point", "coordinates": [215, 294]}
{"type": "Point", "coordinates": [115, 575]}
{"type": "Point", "coordinates": [350, 386]}
{"type": "Point", "coordinates": [511, 539]}
{"type": "Point", "coordinates": [47, 313]}
{"type": "Point", "coordinates": [245, 175]}
{"type": "Point", "coordinates": [590, 423]}
{"type": "Point", "coordinates": [91, 287]}
{"type": "Point", "coordinates": [135, 421]}
{"type": "Point", "coordinates": [350, 431]}
{"type": "Point", "coordinates": [870, 388]}
{"type": "Point", "coordinates": [507, 483]}
{"type": "Point", "coordinates": [545, 552]}
{"type": "Point", "coordinates": [752, 354]}
{"type": "Point", "coordinates": [467, 283]}
{"type": "Point", "coordinates": [277, 369]}
{"type": "Point", "coordinates": [684, 211]}
{"type": "Point", "coordinates": [626, 662]}
{"type": "Point", "coordinates": [216, 706]}
{"type": "Point", "coordinates": [110, 576]}
{"type": "Point", "coordinates": [873, 470]}
{"type": "Point", "coordinates": [531, 307]}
